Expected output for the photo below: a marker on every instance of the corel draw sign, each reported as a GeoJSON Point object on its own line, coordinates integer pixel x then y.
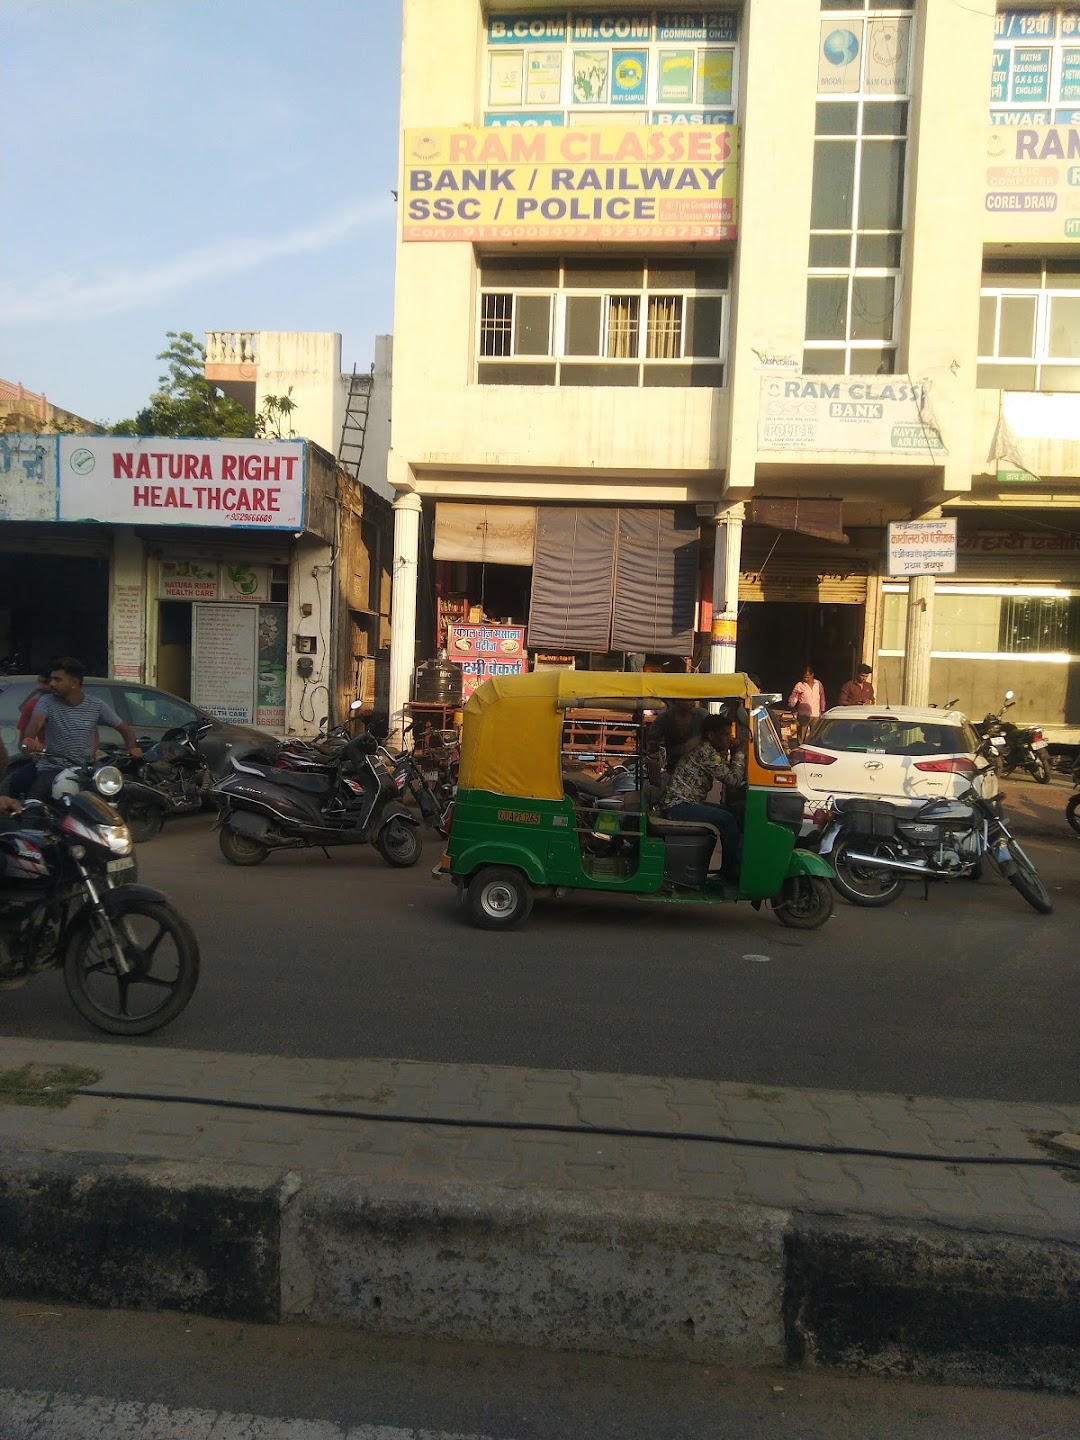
{"type": "Point", "coordinates": [222, 483]}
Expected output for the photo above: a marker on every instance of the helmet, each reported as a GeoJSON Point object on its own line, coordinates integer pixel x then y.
{"type": "Point", "coordinates": [66, 782]}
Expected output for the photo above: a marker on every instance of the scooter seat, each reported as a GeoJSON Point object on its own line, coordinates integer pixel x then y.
{"type": "Point", "coordinates": [292, 780]}
{"type": "Point", "coordinates": [660, 826]}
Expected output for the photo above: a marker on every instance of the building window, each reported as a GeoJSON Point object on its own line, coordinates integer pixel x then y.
{"type": "Point", "coordinates": [1035, 78]}
{"type": "Point", "coordinates": [857, 209]}
{"type": "Point", "coordinates": [579, 322]}
{"type": "Point", "coordinates": [987, 621]}
{"type": "Point", "coordinates": [1029, 325]}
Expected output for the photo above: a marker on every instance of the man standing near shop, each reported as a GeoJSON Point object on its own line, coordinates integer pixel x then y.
{"type": "Point", "coordinates": [858, 691]}
{"type": "Point", "coordinates": [808, 701]}
{"type": "Point", "coordinates": [73, 718]}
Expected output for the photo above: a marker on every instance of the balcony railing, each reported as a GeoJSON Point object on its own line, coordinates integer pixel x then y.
{"type": "Point", "coordinates": [232, 347]}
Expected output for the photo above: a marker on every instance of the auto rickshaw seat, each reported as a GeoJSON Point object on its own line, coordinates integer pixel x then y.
{"type": "Point", "coordinates": [661, 826]}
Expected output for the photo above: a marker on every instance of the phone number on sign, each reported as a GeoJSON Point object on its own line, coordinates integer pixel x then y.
{"type": "Point", "coordinates": [571, 232]}
{"type": "Point", "coordinates": [239, 517]}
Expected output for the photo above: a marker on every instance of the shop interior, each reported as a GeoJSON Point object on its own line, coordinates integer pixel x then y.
{"type": "Point", "coordinates": [54, 605]}
{"type": "Point", "coordinates": [778, 639]}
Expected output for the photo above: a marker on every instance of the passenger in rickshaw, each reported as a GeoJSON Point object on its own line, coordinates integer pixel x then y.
{"type": "Point", "coordinates": [720, 755]}
{"type": "Point", "coordinates": [675, 728]}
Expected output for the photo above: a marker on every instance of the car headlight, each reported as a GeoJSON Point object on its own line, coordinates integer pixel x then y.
{"type": "Point", "coordinates": [118, 839]}
{"type": "Point", "coordinates": [108, 780]}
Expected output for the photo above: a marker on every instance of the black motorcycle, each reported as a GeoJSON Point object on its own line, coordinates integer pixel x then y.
{"type": "Point", "coordinates": [875, 846]}
{"type": "Point", "coordinates": [347, 799]}
{"type": "Point", "coordinates": [1023, 746]}
{"type": "Point", "coordinates": [433, 789]}
{"type": "Point", "coordinates": [171, 778]}
{"type": "Point", "coordinates": [67, 899]}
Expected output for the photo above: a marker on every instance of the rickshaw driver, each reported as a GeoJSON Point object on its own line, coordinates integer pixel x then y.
{"type": "Point", "coordinates": [692, 781]}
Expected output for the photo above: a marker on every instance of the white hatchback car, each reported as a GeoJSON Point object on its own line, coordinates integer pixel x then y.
{"type": "Point", "coordinates": [897, 753]}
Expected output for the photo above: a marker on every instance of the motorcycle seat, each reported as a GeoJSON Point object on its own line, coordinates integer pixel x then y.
{"type": "Point", "coordinates": [309, 784]}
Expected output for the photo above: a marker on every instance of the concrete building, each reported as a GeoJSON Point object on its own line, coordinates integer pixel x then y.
{"type": "Point", "coordinates": [690, 306]}
{"type": "Point", "coordinates": [24, 411]}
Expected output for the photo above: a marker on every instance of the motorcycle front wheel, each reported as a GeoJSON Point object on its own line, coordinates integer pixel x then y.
{"type": "Point", "coordinates": [164, 957]}
{"type": "Point", "coordinates": [1025, 879]}
{"type": "Point", "coordinates": [399, 843]}
{"type": "Point", "coordinates": [863, 884]}
{"type": "Point", "coordinates": [1071, 812]}
{"type": "Point", "coordinates": [145, 821]}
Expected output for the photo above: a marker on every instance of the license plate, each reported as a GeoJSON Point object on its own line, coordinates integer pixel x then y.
{"type": "Point", "coordinates": [117, 867]}
{"type": "Point", "coordinates": [1040, 744]}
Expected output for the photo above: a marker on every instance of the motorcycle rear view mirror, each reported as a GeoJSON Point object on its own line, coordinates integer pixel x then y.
{"type": "Point", "coordinates": [1010, 696]}
{"type": "Point", "coordinates": [356, 705]}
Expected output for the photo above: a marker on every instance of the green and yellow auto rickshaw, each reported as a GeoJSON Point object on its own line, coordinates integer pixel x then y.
{"type": "Point", "coordinates": [524, 822]}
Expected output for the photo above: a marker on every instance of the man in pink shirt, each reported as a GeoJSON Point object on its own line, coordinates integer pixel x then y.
{"type": "Point", "coordinates": [808, 702]}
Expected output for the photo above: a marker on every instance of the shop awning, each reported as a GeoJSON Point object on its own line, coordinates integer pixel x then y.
{"type": "Point", "coordinates": [656, 577]}
{"type": "Point", "coordinates": [573, 569]}
{"type": "Point", "coordinates": [823, 518]}
{"type": "Point", "coordinates": [485, 534]}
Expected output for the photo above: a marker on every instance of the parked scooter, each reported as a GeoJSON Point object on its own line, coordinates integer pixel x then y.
{"type": "Point", "coordinates": [68, 900]}
{"type": "Point", "coordinates": [348, 799]}
{"type": "Point", "coordinates": [171, 778]}
{"type": "Point", "coordinates": [875, 846]}
{"type": "Point", "coordinates": [1024, 748]}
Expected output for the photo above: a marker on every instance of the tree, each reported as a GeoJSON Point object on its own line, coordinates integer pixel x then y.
{"type": "Point", "coordinates": [187, 404]}
{"type": "Point", "coordinates": [272, 420]}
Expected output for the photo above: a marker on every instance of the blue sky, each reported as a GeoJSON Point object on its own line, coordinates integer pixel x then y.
{"type": "Point", "coordinates": [190, 165]}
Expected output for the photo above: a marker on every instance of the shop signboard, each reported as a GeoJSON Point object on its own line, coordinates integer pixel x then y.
{"type": "Point", "coordinates": [224, 484]}
{"type": "Point", "coordinates": [877, 415]}
{"type": "Point", "coordinates": [223, 654]}
{"type": "Point", "coordinates": [588, 182]}
{"type": "Point", "coordinates": [1032, 183]}
{"type": "Point", "coordinates": [245, 582]}
{"type": "Point", "coordinates": [188, 580]}
{"type": "Point", "coordinates": [484, 651]}
{"type": "Point", "coordinates": [922, 547]}
{"type": "Point", "coordinates": [28, 477]}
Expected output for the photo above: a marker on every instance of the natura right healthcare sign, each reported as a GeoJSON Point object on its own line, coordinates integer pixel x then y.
{"type": "Point", "coordinates": [922, 547]}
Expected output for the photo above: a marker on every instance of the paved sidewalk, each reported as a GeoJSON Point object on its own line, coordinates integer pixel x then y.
{"type": "Point", "coordinates": [892, 1232]}
{"type": "Point", "coordinates": [1020, 1198]}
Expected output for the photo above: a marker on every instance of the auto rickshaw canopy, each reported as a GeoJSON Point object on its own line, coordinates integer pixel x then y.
{"type": "Point", "coordinates": [512, 735]}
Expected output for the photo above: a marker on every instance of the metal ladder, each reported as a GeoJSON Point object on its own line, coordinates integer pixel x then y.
{"type": "Point", "coordinates": [354, 426]}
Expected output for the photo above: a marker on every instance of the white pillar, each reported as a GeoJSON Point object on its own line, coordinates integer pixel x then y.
{"type": "Point", "coordinates": [403, 608]}
{"type": "Point", "coordinates": [725, 592]}
{"type": "Point", "coordinates": [920, 625]}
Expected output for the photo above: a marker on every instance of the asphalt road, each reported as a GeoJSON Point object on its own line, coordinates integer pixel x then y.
{"type": "Point", "coordinates": [970, 993]}
{"type": "Point", "coordinates": [177, 1375]}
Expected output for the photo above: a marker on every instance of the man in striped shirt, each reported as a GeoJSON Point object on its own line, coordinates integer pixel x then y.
{"type": "Point", "coordinates": [73, 719]}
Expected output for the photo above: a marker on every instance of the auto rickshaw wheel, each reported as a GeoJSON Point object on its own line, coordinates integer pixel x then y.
{"type": "Point", "coordinates": [498, 897]}
{"type": "Point", "coordinates": [805, 902]}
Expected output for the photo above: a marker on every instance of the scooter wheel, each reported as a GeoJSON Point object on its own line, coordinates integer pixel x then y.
{"type": "Point", "coordinates": [498, 898]}
{"type": "Point", "coordinates": [399, 843]}
{"type": "Point", "coordinates": [240, 849]}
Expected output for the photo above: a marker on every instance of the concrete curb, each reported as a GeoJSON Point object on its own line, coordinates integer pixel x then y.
{"type": "Point", "coordinates": [612, 1273]}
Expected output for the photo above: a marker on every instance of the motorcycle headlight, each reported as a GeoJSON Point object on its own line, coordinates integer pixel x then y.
{"type": "Point", "coordinates": [117, 838]}
{"type": "Point", "coordinates": [108, 780]}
